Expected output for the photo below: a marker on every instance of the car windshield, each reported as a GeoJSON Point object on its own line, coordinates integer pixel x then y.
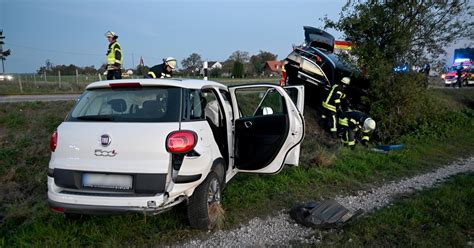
{"type": "Point", "coordinates": [142, 104]}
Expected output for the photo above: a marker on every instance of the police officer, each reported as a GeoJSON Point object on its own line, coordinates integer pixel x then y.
{"type": "Point", "coordinates": [334, 103]}
{"type": "Point", "coordinates": [164, 70]}
{"type": "Point", "coordinates": [355, 125]}
{"type": "Point", "coordinates": [114, 57]}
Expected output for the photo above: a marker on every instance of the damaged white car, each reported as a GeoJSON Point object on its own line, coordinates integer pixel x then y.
{"type": "Point", "coordinates": [145, 145]}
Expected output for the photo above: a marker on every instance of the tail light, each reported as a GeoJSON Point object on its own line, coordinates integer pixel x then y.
{"type": "Point", "coordinates": [53, 142]}
{"type": "Point", "coordinates": [57, 210]}
{"type": "Point", "coordinates": [181, 141]}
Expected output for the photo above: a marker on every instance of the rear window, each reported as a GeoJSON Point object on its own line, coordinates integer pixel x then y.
{"type": "Point", "coordinates": [143, 104]}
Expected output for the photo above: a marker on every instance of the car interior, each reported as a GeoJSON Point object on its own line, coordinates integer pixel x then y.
{"type": "Point", "coordinates": [260, 136]}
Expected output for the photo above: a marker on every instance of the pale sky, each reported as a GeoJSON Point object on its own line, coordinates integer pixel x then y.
{"type": "Point", "coordinates": [72, 31]}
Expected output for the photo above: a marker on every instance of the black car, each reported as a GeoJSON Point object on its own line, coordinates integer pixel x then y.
{"type": "Point", "coordinates": [315, 65]}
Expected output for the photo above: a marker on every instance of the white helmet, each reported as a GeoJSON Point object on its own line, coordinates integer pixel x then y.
{"type": "Point", "coordinates": [369, 125]}
{"type": "Point", "coordinates": [346, 80]}
{"type": "Point", "coordinates": [111, 34]}
{"type": "Point", "coordinates": [171, 62]}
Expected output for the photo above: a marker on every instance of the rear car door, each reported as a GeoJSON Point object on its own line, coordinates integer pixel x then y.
{"type": "Point", "coordinates": [267, 127]}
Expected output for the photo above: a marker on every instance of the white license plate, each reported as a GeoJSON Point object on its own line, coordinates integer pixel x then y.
{"type": "Point", "coordinates": [93, 180]}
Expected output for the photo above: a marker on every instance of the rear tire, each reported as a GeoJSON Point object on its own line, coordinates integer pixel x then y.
{"type": "Point", "coordinates": [204, 206]}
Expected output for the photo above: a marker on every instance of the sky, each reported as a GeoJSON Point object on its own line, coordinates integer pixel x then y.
{"type": "Point", "coordinates": [72, 31]}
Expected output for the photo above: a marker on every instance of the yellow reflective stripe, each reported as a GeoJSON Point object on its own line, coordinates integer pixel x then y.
{"type": "Point", "coordinates": [334, 127]}
{"type": "Point", "coordinates": [330, 94]}
{"type": "Point", "coordinates": [152, 74]}
{"type": "Point", "coordinates": [329, 107]}
{"type": "Point", "coordinates": [118, 61]}
{"type": "Point", "coordinates": [118, 49]}
{"type": "Point", "coordinates": [354, 121]}
{"type": "Point", "coordinates": [351, 143]}
{"type": "Point", "coordinates": [337, 101]}
{"type": "Point", "coordinates": [343, 121]}
{"type": "Point", "coordinates": [365, 138]}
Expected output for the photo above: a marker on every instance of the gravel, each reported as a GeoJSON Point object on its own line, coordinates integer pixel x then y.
{"type": "Point", "coordinates": [281, 230]}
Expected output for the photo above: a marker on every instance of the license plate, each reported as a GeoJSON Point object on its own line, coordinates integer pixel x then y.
{"type": "Point", "coordinates": [93, 180]}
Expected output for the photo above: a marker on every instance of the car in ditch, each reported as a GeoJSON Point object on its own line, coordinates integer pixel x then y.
{"type": "Point", "coordinates": [316, 65]}
{"type": "Point", "coordinates": [145, 145]}
{"type": "Point", "coordinates": [451, 76]}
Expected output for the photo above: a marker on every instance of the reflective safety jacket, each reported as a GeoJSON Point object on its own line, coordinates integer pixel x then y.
{"type": "Point", "coordinates": [334, 99]}
{"type": "Point", "coordinates": [353, 121]}
{"type": "Point", "coordinates": [159, 71]}
{"type": "Point", "coordinates": [114, 56]}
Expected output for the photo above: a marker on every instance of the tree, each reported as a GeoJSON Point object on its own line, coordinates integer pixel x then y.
{"type": "Point", "coordinates": [388, 33]}
{"type": "Point", "coordinates": [238, 69]}
{"type": "Point", "coordinates": [258, 60]}
{"type": "Point", "coordinates": [192, 64]}
{"type": "Point", "coordinates": [239, 56]}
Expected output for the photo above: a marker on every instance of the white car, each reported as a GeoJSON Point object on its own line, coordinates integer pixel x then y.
{"type": "Point", "coordinates": [4, 77]}
{"type": "Point", "coordinates": [145, 145]}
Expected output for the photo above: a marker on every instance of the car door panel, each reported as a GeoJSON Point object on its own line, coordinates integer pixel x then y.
{"type": "Point", "coordinates": [263, 142]}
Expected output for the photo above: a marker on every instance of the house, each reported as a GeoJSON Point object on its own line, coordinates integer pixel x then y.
{"type": "Point", "coordinates": [214, 65]}
{"type": "Point", "coordinates": [272, 68]}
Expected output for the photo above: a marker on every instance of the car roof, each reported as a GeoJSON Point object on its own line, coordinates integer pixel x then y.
{"type": "Point", "coordinates": [180, 82]}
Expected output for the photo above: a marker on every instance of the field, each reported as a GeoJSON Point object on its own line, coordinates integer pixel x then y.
{"type": "Point", "coordinates": [326, 170]}
{"type": "Point", "coordinates": [29, 84]}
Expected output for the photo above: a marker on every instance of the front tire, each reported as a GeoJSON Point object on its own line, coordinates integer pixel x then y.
{"type": "Point", "coordinates": [204, 206]}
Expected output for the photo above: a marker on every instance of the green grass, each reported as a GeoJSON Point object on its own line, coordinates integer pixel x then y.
{"type": "Point", "coordinates": [439, 217]}
{"type": "Point", "coordinates": [68, 84]}
{"type": "Point", "coordinates": [24, 156]}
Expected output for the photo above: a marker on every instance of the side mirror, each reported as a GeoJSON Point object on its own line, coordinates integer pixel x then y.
{"type": "Point", "coordinates": [267, 111]}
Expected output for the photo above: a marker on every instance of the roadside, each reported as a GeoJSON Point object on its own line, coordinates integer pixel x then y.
{"type": "Point", "coordinates": [325, 172]}
{"type": "Point", "coordinates": [282, 231]}
{"type": "Point", "coordinates": [38, 98]}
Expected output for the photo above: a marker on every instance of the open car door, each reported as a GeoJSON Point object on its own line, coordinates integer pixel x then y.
{"type": "Point", "coordinates": [267, 127]}
{"type": "Point", "coordinates": [296, 94]}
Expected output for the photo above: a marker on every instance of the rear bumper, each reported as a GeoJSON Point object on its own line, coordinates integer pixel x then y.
{"type": "Point", "coordinates": [97, 204]}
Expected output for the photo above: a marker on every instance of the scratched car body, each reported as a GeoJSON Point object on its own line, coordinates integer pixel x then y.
{"type": "Point", "coordinates": [146, 145]}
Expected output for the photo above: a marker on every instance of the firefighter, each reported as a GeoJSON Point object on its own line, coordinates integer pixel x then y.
{"type": "Point", "coordinates": [355, 125]}
{"type": "Point", "coordinates": [334, 104]}
{"type": "Point", "coordinates": [164, 70]}
{"type": "Point", "coordinates": [114, 57]}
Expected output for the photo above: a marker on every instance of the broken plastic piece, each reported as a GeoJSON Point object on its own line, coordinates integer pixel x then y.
{"type": "Point", "coordinates": [325, 214]}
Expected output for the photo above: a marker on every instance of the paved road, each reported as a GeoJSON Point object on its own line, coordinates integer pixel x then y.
{"type": "Point", "coordinates": [38, 98]}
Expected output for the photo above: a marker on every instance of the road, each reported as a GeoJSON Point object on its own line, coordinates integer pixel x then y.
{"type": "Point", "coordinates": [38, 98]}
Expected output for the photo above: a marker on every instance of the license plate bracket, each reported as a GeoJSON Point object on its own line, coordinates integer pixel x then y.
{"type": "Point", "coordinates": [107, 181]}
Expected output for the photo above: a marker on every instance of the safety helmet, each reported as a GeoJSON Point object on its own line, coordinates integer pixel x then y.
{"type": "Point", "coordinates": [171, 62]}
{"type": "Point", "coordinates": [111, 34]}
{"type": "Point", "coordinates": [346, 80]}
{"type": "Point", "coordinates": [369, 125]}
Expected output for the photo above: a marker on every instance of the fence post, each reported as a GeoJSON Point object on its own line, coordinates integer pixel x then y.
{"type": "Point", "coordinates": [45, 80]}
{"type": "Point", "coordinates": [19, 82]}
{"type": "Point", "coordinates": [77, 78]}
{"type": "Point", "coordinates": [59, 79]}
{"type": "Point", "coordinates": [34, 79]}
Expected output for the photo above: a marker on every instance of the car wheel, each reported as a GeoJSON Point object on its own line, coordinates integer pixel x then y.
{"type": "Point", "coordinates": [204, 206]}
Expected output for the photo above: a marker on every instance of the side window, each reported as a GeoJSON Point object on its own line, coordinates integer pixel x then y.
{"type": "Point", "coordinates": [192, 105]}
{"type": "Point", "coordinates": [259, 101]}
{"type": "Point", "coordinates": [212, 109]}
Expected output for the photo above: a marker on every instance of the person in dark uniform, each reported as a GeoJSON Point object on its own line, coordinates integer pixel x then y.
{"type": "Point", "coordinates": [114, 57]}
{"type": "Point", "coordinates": [355, 125]}
{"type": "Point", "coordinates": [459, 74]}
{"type": "Point", "coordinates": [164, 70]}
{"type": "Point", "coordinates": [334, 104]}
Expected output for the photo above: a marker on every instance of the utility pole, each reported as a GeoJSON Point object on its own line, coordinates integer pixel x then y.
{"type": "Point", "coordinates": [133, 61]}
{"type": "Point", "coordinates": [3, 54]}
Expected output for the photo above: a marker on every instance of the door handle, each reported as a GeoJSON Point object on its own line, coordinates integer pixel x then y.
{"type": "Point", "coordinates": [248, 124]}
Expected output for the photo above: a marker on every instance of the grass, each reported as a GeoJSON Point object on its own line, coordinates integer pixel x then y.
{"type": "Point", "coordinates": [69, 84]}
{"type": "Point", "coordinates": [439, 217]}
{"type": "Point", "coordinates": [24, 155]}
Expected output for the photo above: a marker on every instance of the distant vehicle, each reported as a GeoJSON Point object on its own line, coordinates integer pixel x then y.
{"type": "Point", "coordinates": [146, 145]}
{"type": "Point", "coordinates": [451, 77]}
{"type": "Point", "coordinates": [315, 65]}
{"type": "Point", "coordinates": [6, 77]}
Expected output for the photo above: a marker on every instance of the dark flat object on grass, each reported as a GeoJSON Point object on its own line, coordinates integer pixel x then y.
{"type": "Point", "coordinates": [324, 214]}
